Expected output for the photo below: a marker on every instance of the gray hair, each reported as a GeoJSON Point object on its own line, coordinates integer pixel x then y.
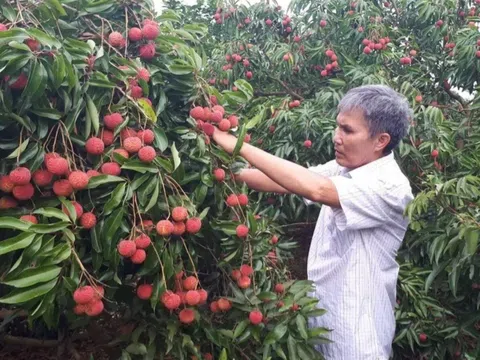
{"type": "Point", "coordinates": [384, 109]}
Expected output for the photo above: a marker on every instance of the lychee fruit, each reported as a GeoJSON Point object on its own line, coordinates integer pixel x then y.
{"type": "Point", "coordinates": [187, 316]}
{"type": "Point", "coordinates": [171, 300]}
{"type": "Point", "coordinates": [279, 288]}
{"type": "Point", "coordinates": [116, 39]}
{"type": "Point", "coordinates": [179, 213]}
{"type": "Point", "coordinates": [242, 230]}
{"type": "Point", "coordinates": [147, 225]}
{"type": "Point", "coordinates": [224, 304]}
{"type": "Point", "coordinates": [23, 192]}
{"type": "Point", "coordinates": [132, 144]}
{"type": "Point", "coordinates": [255, 317]}
{"type": "Point", "coordinates": [94, 308]}
{"type": "Point", "coordinates": [112, 120]}
{"type": "Point", "coordinates": [88, 220]}
{"type": "Point", "coordinates": [142, 241]}
{"type": "Point", "coordinates": [178, 228]}
{"type": "Point", "coordinates": [122, 153]}
{"type": "Point", "coordinates": [62, 187]}
{"type": "Point", "coordinates": [3, 27]}
{"type": "Point", "coordinates": [307, 144]}
{"type": "Point", "coordinates": [94, 146]}
{"type": "Point", "coordinates": [242, 199]}
{"type": "Point", "coordinates": [42, 177]}
{"type": "Point", "coordinates": [107, 137]}
{"type": "Point", "coordinates": [79, 309]}
{"type": "Point", "coordinates": [147, 154]}
{"type": "Point", "coordinates": [214, 307]}
{"type": "Point", "coordinates": [198, 113]}
{"type": "Point", "coordinates": [6, 202]}
{"type": "Point", "coordinates": [56, 164]}
{"type": "Point", "coordinates": [145, 291]}
{"type": "Point", "coordinates": [219, 108]}
{"type": "Point", "coordinates": [208, 129]}
{"type": "Point", "coordinates": [6, 185]}
{"type": "Point", "coordinates": [111, 168]}
{"type": "Point", "coordinates": [78, 209]}
{"type": "Point", "coordinates": [126, 248]}
{"type": "Point", "coordinates": [147, 136]}
{"type": "Point", "coordinates": [232, 200]}
{"type": "Point", "coordinates": [83, 295]}
{"type": "Point", "coordinates": [274, 240]}
{"type": "Point", "coordinates": [164, 228]}
{"type": "Point", "coordinates": [135, 34]}
{"type": "Point", "coordinates": [136, 92]}
{"type": "Point", "coordinates": [78, 180]}
{"type": "Point", "coordinates": [236, 274]}
{"type": "Point", "coordinates": [233, 121]}
{"type": "Point", "coordinates": [139, 256]}
{"type": "Point", "coordinates": [150, 32]}
{"type": "Point", "coordinates": [422, 337]}
{"type": "Point", "coordinates": [244, 282]}
{"type": "Point", "coordinates": [435, 153]}
{"type": "Point", "coordinates": [219, 174]}
{"type": "Point", "coordinates": [203, 296]}
{"type": "Point", "coordinates": [20, 83]}
{"type": "Point", "coordinates": [20, 176]}
{"type": "Point", "coordinates": [193, 225]}
{"type": "Point", "coordinates": [147, 51]}
{"type": "Point", "coordinates": [224, 125]}
{"type": "Point", "coordinates": [29, 218]}
{"type": "Point", "coordinates": [192, 297]}
{"type": "Point", "coordinates": [190, 283]}
{"type": "Point", "coordinates": [143, 74]}
{"type": "Point", "coordinates": [33, 44]}
{"type": "Point", "coordinates": [98, 292]}
{"type": "Point", "coordinates": [323, 23]}
{"type": "Point", "coordinates": [246, 270]}
{"type": "Point", "coordinates": [216, 116]}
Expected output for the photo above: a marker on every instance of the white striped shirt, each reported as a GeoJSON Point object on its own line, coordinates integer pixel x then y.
{"type": "Point", "coordinates": [352, 258]}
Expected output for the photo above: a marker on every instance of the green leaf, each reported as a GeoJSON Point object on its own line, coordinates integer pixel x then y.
{"type": "Point", "coordinates": [58, 70]}
{"type": "Point", "coordinates": [241, 138]}
{"type": "Point", "coordinates": [137, 349]}
{"type": "Point", "coordinates": [245, 87]}
{"type": "Point", "coordinates": [471, 237]}
{"type": "Point", "coordinates": [96, 181]}
{"type": "Point", "coordinates": [223, 355]}
{"type": "Point", "coordinates": [153, 198]}
{"type": "Point", "coordinates": [19, 296]}
{"type": "Point", "coordinates": [115, 198]}
{"type": "Point", "coordinates": [33, 276]}
{"type": "Point", "coordinates": [302, 326]}
{"type": "Point", "coordinates": [18, 151]}
{"type": "Point", "coordinates": [139, 166]}
{"type": "Point", "coordinates": [147, 110]}
{"type": "Point", "coordinates": [256, 119]}
{"type": "Point", "coordinates": [278, 332]}
{"type": "Point", "coordinates": [161, 140]}
{"type": "Point", "coordinates": [176, 157]}
{"type": "Point", "coordinates": [36, 79]}
{"type": "Point", "coordinates": [92, 114]}
{"type": "Point", "coordinates": [49, 228]}
{"type": "Point", "coordinates": [44, 39]}
{"type": "Point", "coordinates": [292, 348]}
{"type": "Point", "coordinates": [20, 241]}
{"type": "Point", "coordinates": [240, 328]}
{"type": "Point", "coordinates": [53, 212]}
{"type": "Point", "coordinates": [14, 223]}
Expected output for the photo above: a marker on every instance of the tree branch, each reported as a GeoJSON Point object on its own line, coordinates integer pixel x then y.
{"type": "Point", "coordinates": [455, 96]}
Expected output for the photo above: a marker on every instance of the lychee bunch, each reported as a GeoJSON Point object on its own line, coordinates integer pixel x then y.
{"type": "Point", "coordinates": [88, 300]}
{"type": "Point", "coordinates": [128, 249]}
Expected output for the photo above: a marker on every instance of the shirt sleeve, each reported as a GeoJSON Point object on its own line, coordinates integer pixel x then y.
{"type": "Point", "coordinates": [328, 169]}
{"type": "Point", "coordinates": [367, 203]}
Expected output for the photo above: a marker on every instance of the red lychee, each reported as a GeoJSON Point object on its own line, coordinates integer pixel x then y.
{"type": "Point", "coordinates": [135, 34]}
{"type": "Point", "coordinates": [29, 218]}
{"type": "Point", "coordinates": [179, 213]}
{"type": "Point", "coordinates": [107, 137]}
{"type": "Point", "coordinates": [232, 200]}
{"type": "Point", "coordinates": [147, 136]}
{"type": "Point", "coordinates": [147, 51]}
{"type": "Point", "coordinates": [136, 92]}
{"type": "Point", "coordinates": [244, 282]}
{"type": "Point", "coordinates": [139, 256]}
{"type": "Point", "coordinates": [79, 309]}
{"type": "Point", "coordinates": [94, 146]}
{"type": "Point", "coordinates": [190, 283]}
{"type": "Point", "coordinates": [78, 180]}
{"type": "Point", "coordinates": [203, 296]}
{"type": "Point", "coordinates": [132, 144]}
{"type": "Point", "coordinates": [214, 307]}
{"type": "Point", "coordinates": [164, 228]}
{"type": "Point", "coordinates": [150, 32]}
{"type": "Point", "coordinates": [116, 39]}
{"type": "Point", "coordinates": [323, 23]}
{"type": "Point", "coordinates": [111, 168]}
{"type": "Point", "coordinates": [274, 240]}
{"type": "Point", "coordinates": [219, 174]}
{"type": "Point", "coordinates": [7, 185]}
{"type": "Point", "coordinates": [246, 270]}
{"type": "Point", "coordinates": [33, 44]}
{"type": "Point", "coordinates": [56, 164]}
{"type": "Point", "coordinates": [145, 291]}
{"type": "Point", "coordinates": [83, 295]}
{"type": "Point", "coordinates": [78, 209]}
{"type": "Point", "coordinates": [242, 230]}
{"type": "Point", "coordinates": [6, 202]}
{"type": "Point", "coordinates": [216, 116]}
{"type": "Point", "coordinates": [3, 27]}
{"type": "Point", "coordinates": [178, 228]}
{"type": "Point", "coordinates": [193, 225]}
{"type": "Point", "coordinates": [88, 220]}
{"type": "Point", "coordinates": [143, 74]}
{"type": "Point", "coordinates": [42, 177]}
{"type": "Point", "coordinates": [126, 248]}
{"type": "Point", "coordinates": [307, 144]}
{"type": "Point", "coordinates": [147, 154]}
{"type": "Point", "coordinates": [192, 297]}
{"type": "Point", "coordinates": [279, 288]}
{"type": "Point", "coordinates": [236, 274]}
{"type": "Point", "coordinates": [112, 120]}
{"type": "Point", "coordinates": [20, 83]}
{"type": "Point", "coordinates": [122, 152]}
{"type": "Point", "coordinates": [20, 176]}
{"type": "Point", "coordinates": [422, 337]}
{"type": "Point", "coordinates": [94, 308]}
{"type": "Point", "coordinates": [255, 317]}
{"type": "Point", "coordinates": [208, 129]}
{"type": "Point", "coordinates": [171, 300]}
{"type": "Point", "coordinates": [435, 153]}
{"type": "Point", "coordinates": [23, 192]}
{"type": "Point", "coordinates": [233, 120]}
{"type": "Point", "coordinates": [142, 241]}
{"type": "Point", "coordinates": [187, 316]}
{"type": "Point", "coordinates": [242, 199]}
{"type": "Point", "coordinates": [224, 304]}
{"type": "Point", "coordinates": [197, 113]}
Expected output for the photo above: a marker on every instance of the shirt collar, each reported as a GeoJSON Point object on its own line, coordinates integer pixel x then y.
{"type": "Point", "coordinates": [371, 167]}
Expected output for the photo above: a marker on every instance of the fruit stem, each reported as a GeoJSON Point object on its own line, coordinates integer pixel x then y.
{"type": "Point", "coordinates": [189, 256]}
{"type": "Point", "coordinates": [160, 262]}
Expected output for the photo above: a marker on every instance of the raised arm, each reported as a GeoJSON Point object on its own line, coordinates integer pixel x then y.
{"type": "Point", "coordinates": [257, 180]}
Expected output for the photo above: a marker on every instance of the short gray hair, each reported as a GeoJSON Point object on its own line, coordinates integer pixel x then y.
{"type": "Point", "coordinates": [384, 109]}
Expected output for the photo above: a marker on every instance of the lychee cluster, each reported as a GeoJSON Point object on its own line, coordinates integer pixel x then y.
{"type": "Point", "coordinates": [237, 200]}
{"type": "Point", "coordinates": [208, 117]}
{"type": "Point", "coordinates": [88, 300]}
{"type": "Point", "coordinates": [329, 68]}
{"type": "Point", "coordinates": [371, 45]}
{"type": "Point", "coordinates": [135, 249]}
{"type": "Point", "coordinates": [181, 223]}
{"type": "Point", "coordinates": [242, 276]}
